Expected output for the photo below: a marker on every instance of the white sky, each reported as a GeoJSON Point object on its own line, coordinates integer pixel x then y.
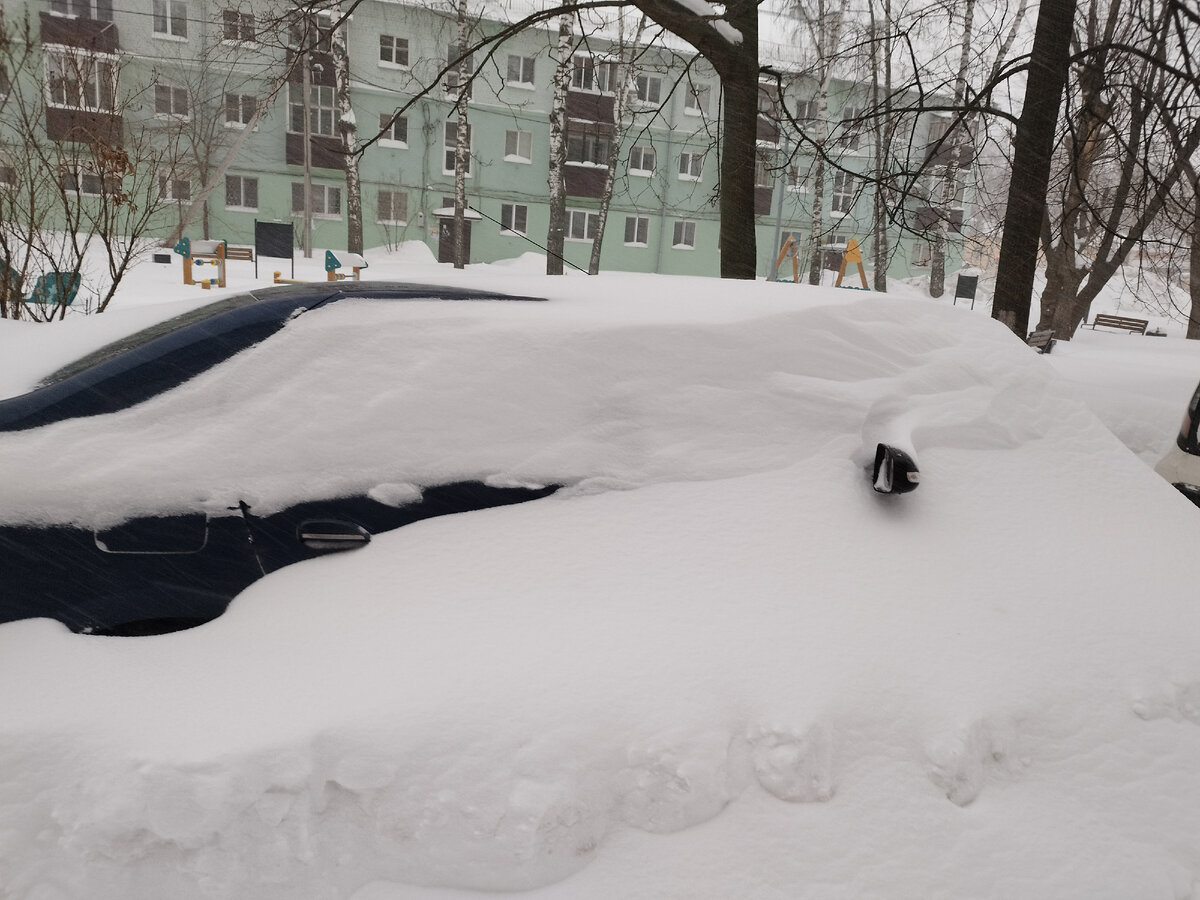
{"type": "Point", "coordinates": [718, 666]}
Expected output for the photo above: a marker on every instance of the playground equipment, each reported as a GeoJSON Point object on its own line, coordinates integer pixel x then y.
{"type": "Point", "coordinates": [342, 259]}
{"type": "Point", "coordinates": [789, 250]}
{"type": "Point", "coordinates": [202, 253]}
{"type": "Point", "coordinates": [50, 289]}
{"type": "Point", "coordinates": [852, 254]}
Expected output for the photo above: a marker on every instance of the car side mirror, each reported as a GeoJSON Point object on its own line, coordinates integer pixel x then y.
{"type": "Point", "coordinates": [331, 535]}
{"type": "Point", "coordinates": [895, 471]}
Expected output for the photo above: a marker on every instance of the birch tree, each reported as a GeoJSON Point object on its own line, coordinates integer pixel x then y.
{"type": "Point", "coordinates": [347, 129]}
{"type": "Point", "coordinates": [556, 179]}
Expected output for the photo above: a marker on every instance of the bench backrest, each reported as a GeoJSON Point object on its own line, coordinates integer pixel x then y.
{"type": "Point", "coordinates": [56, 288]}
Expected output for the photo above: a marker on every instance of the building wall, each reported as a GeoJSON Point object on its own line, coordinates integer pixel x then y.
{"type": "Point", "coordinates": [209, 68]}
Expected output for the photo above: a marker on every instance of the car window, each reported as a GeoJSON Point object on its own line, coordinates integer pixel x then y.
{"type": "Point", "coordinates": [108, 351]}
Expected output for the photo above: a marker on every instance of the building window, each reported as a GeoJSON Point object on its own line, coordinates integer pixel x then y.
{"type": "Point", "coordinates": [797, 181]}
{"type": "Point", "coordinates": [518, 146]}
{"type": "Point", "coordinates": [691, 166]}
{"type": "Point", "coordinates": [312, 31]}
{"type": "Point", "coordinates": [637, 231]}
{"type": "Point", "coordinates": [642, 160]}
{"type": "Point", "coordinates": [851, 130]}
{"type": "Point", "coordinates": [451, 138]}
{"type": "Point", "coordinates": [695, 99]}
{"type": "Point", "coordinates": [101, 10]}
{"type": "Point", "coordinates": [581, 224]}
{"type": "Point", "coordinates": [170, 18]}
{"type": "Point", "coordinates": [649, 89]}
{"type": "Point", "coordinates": [591, 74]}
{"type": "Point", "coordinates": [922, 254]}
{"type": "Point", "coordinates": [8, 176]}
{"type": "Point", "coordinates": [393, 132]}
{"type": "Point", "coordinates": [391, 207]}
{"type": "Point", "coordinates": [78, 80]}
{"type": "Point", "coordinates": [685, 235]}
{"type": "Point", "coordinates": [326, 200]}
{"type": "Point", "coordinates": [768, 101]}
{"type": "Point", "coordinates": [764, 171]}
{"type": "Point", "coordinates": [843, 192]}
{"type": "Point", "coordinates": [170, 101]}
{"type": "Point", "coordinates": [177, 189]}
{"type": "Point", "coordinates": [453, 52]}
{"type": "Point", "coordinates": [393, 51]}
{"type": "Point", "coordinates": [5, 81]}
{"type": "Point", "coordinates": [513, 218]}
{"type": "Point", "coordinates": [239, 110]}
{"type": "Point", "coordinates": [806, 110]}
{"type": "Point", "coordinates": [520, 71]}
{"type": "Point", "coordinates": [322, 109]}
{"type": "Point", "coordinates": [588, 144]}
{"type": "Point", "coordinates": [82, 182]}
{"type": "Point", "coordinates": [241, 192]}
{"type": "Point", "coordinates": [237, 26]}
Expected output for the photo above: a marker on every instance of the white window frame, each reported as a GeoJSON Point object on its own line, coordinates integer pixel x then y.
{"type": "Point", "coordinates": [448, 146]}
{"type": "Point", "coordinates": [246, 104]}
{"type": "Point", "coordinates": [581, 220]}
{"type": "Point", "coordinates": [98, 73]}
{"type": "Point", "coordinates": [691, 166]}
{"type": "Point", "coordinates": [683, 236]}
{"type": "Point", "coordinates": [392, 195]}
{"type": "Point", "coordinates": [238, 20]}
{"type": "Point", "coordinates": [393, 49]}
{"type": "Point", "coordinates": [70, 8]}
{"type": "Point", "coordinates": [174, 95]}
{"type": "Point", "coordinates": [644, 86]}
{"type": "Point", "coordinates": [796, 183]}
{"type": "Point", "coordinates": [323, 113]}
{"type": "Point", "coordinates": [242, 181]}
{"type": "Point", "coordinates": [526, 66]}
{"type": "Point", "coordinates": [843, 194]}
{"type": "Point", "coordinates": [591, 74]}
{"type": "Point", "coordinates": [696, 98]}
{"type": "Point", "coordinates": [518, 146]}
{"type": "Point", "coordinates": [321, 194]}
{"type": "Point", "coordinates": [453, 51]}
{"type": "Point", "coordinates": [641, 229]}
{"type": "Point", "coordinates": [387, 135]}
{"type": "Point", "coordinates": [168, 189]}
{"type": "Point", "coordinates": [514, 218]}
{"type": "Point", "coordinates": [640, 152]}
{"type": "Point", "coordinates": [173, 15]}
{"type": "Point", "coordinates": [851, 137]}
{"type": "Point", "coordinates": [922, 255]}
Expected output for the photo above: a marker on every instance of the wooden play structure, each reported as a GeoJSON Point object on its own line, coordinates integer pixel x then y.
{"type": "Point", "coordinates": [202, 253]}
{"type": "Point", "coordinates": [789, 250]}
{"type": "Point", "coordinates": [852, 254]}
{"type": "Point", "coordinates": [341, 260]}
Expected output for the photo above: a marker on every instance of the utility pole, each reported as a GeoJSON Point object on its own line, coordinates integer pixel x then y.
{"type": "Point", "coordinates": [307, 134]}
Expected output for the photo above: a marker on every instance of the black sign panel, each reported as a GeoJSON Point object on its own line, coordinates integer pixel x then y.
{"type": "Point", "coordinates": [274, 239]}
{"type": "Point", "coordinates": [966, 287]}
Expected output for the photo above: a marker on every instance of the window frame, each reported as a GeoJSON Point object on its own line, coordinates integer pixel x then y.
{"type": "Point", "coordinates": [523, 82]}
{"type": "Point", "coordinates": [642, 150]}
{"type": "Point", "coordinates": [173, 15]}
{"type": "Point", "coordinates": [387, 136]}
{"type": "Point", "coordinates": [641, 228]}
{"type": "Point", "coordinates": [448, 148]}
{"type": "Point", "coordinates": [692, 103]}
{"type": "Point", "coordinates": [168, 184]}
{"type": "Point", "coordinates": [640, 89]}
{"type": "Point", "coordinates": [518, 156]}
{"type": "Point", "coordinates": [395, 45]}
{"type": "Point", "coordinates": [238, 23]}
{"type": "Point", "coordinates": [245, 114]}
{"type": "Point", "coordinates": [392, 194]}
{"type": "Point", "coordinates": [102, 72]}
{"type": "Point", "coordinates": [319, 190]}
{"type": "Point", "coordinates": [590, 219]}
{"type": "Point", "coordinates": [843, 193]}
{"type": "Point", "coordinates": [173, 94]}
{"type": "Point", "coordinates": [242, 182]}
{"type": "Point", "coordinates": [683, 236]}
{"type": "Point", "coordinates": [592, 74]}
{"type": "Point", "coordinates": [318, 109]}
{"type": "Point", "coordinates": [508, 219]}
{"type": "Point", "coordinates": [691, 158]}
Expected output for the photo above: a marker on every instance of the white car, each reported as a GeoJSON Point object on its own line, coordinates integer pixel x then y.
{"type": "Point", "coordinates": [1181, 465]}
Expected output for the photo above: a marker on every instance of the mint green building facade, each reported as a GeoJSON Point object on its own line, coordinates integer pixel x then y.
{"type": "Point", "coordinates": [195, 71]}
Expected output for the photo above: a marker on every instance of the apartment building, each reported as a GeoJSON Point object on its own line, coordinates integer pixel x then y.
{"type": "Point", "coordinates": [189, 76]}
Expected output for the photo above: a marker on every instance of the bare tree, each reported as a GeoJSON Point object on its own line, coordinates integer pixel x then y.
{"type": "Point", "coordinates": [556, 181]}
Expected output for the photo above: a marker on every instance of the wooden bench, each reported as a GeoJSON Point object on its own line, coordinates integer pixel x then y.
{"type": "Point", "coordinates": [1041, 341]}
{"type": "Point", "coordinates": [1133, 326]}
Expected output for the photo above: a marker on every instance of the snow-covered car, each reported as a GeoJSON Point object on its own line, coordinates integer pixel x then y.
{"type": "Point", "coordinates": [1181, 463]}
{"type": "Point", "coordinates": [174, 568]}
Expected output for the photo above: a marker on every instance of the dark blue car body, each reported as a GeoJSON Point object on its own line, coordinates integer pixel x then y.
{"type": "Point", "coordinates": [163, 573]}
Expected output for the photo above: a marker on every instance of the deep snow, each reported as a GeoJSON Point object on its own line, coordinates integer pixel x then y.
{"type": "Point", "coordinates": [718, 665]}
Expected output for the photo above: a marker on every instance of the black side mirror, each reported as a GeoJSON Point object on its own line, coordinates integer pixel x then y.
{"type": "Point", "coordinates": [326, 535]}
{"type": "Point", "coordinates": [895, 471]}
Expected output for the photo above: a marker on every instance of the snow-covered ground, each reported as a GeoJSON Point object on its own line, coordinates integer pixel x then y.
{"type": "Point", "coordinates": [717, 665]}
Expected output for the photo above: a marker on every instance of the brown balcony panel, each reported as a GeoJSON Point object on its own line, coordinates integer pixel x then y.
{"type": "Point", "coordinates": [767, 131]}
{"type": "Point", "coordinates": [78, 125]}
{"type": "Point", "coordinates": [585, 181]}
{"type": "Point", "coordinates": [590, 107]}
{"type": "Point", "coordinates": [762, 200]}
{"type": "Point", "coordinates": [326, 151]}
{"type": "Point", "coordinates": [88, 34]}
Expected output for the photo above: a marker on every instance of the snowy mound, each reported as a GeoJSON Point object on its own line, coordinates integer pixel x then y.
{"type": "Point", "coordinates": [717, 665]}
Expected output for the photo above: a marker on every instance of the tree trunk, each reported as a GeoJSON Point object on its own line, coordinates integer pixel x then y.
{"type": "Point", "coordinates": [739, 144]}
{"type": "Point", "coordinates": [462, 145]}
{"type": "Point", "coordinates": [556, 231]}
{"type": "Point", "coordinates": [348, 131]}
{"type": "Point", "coordinates": [1193, 328]}
{"type": "Point", "coordinates": [1033, 147]}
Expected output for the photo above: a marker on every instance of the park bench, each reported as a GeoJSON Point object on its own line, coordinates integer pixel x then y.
{"type": "Point", "coordinates": [246, 254]}
{"type": "Point", "coordinates": [1133, 326]}
{"type": "Point", "coordinates": [1041, 341]}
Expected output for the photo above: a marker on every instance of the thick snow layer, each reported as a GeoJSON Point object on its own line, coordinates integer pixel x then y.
{"type": "Point", "coordinates": [717, 665]}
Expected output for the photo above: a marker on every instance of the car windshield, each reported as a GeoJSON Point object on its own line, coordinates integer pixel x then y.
{"type": "Point", "coordinates": [137, 339]}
